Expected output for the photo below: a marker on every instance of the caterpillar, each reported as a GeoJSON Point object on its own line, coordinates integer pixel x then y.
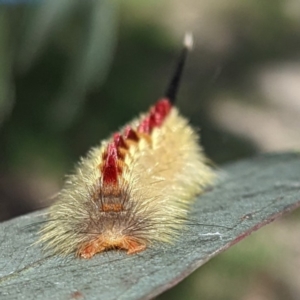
{"type": "Point", "coordinates": [136, 188]}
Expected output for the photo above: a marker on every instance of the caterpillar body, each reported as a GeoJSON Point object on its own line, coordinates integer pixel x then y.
{"type": "Point", "coordinates": [136, 188]}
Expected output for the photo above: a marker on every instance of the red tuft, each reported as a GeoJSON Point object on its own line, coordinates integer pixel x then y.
{"type": "Point", "coordinates": [145, 126]}
{"type": "Point", "coordinates": [119, 141]}
{"type": "Point", "coordinates": [131, 134]}
{"type": "Point", "coordinates": [156, 117]}
{"type": "Point", "coordinates": [110, 170]}
{"type": "Point", "coordinates": [162, 108]}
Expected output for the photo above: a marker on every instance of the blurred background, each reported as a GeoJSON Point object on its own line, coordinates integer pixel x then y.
{"type": "Point", "coordinates": [72, 72]}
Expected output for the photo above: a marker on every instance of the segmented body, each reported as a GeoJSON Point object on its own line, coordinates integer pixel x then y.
{"type": "Point", "coordinates": [136, 188]}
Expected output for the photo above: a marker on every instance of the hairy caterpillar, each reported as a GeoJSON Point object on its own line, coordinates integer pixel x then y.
{"type": "Point", "coordinates": [135, 188]}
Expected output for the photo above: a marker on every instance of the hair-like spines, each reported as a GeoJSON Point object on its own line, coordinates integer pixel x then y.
{"type": "Point", "coordinates": [173, 86]}
{"type": "Point", "coordinates": [135, 188]}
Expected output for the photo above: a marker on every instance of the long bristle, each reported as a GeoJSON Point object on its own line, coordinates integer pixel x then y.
{"type": "Point", "coordinates": [188, 41]}
{"type": "Point", "coordinates": [173, 86]}
{"type": "Point", "coordinates": [134, 189]}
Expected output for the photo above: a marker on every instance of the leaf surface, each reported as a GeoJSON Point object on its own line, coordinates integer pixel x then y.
{"type": "Point", "coordinates": [249, 194]}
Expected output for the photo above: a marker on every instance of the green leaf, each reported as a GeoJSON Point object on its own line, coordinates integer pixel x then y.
{"type": "Point", "coordinates": [249, 194]}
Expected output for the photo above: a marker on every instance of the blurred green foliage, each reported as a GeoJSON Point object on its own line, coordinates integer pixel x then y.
{"type": "Point", "coordinates": [72, 72]}
{"type": "Point", "coordinates": [73, 86]}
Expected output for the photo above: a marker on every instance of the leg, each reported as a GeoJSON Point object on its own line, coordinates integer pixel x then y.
{"type": "Point", "coordinates": [88, 250]}
{"type": "Point", "coordinates": [133, 246]}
